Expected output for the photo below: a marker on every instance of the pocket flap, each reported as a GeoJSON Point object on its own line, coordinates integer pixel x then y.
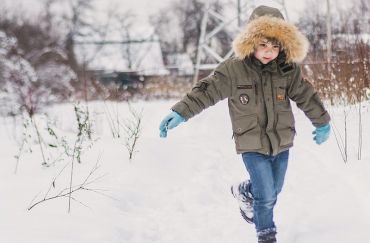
{"type": "Point", "coordinates": [244, 124]}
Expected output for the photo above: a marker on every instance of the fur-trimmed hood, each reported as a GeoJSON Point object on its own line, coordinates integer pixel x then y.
{"type": "Point", "coordinates": [269, 22]}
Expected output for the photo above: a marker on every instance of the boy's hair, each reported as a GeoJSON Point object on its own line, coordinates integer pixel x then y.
{"type": "Point", "coordinates": [273, 41]}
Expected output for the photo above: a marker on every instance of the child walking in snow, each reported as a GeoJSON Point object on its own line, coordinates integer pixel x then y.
{"type": "Point", "coordinates": [259, 82]}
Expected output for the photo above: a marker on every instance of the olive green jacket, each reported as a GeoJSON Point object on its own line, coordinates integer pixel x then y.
{"type": "Point", "coordinates": [259, 102]}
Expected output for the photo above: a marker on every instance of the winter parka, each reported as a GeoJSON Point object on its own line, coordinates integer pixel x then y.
{"type": "Point", "coordinates": [259, 95]}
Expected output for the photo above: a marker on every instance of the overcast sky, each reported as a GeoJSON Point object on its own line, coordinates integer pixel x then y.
{"type": "Point", "coordinates": [143, 8]}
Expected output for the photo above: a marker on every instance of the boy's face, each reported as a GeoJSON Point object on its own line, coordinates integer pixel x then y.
{"type": "Point", "coordinates": [266, 51]}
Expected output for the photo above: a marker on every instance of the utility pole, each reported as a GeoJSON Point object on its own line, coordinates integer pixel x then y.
{"type": "Point", "coordinates": [203, 47]}
{"type": "Point", "coordinates": [204, 39]}
{"type": "Point", "coordinates": [244, 8]}
{"type": "Point", "coordinates": [239, 13]}
{"type": "Point", "coordinates": [201, 42]}
{"type": "Point", "coordinates": [283, 5]}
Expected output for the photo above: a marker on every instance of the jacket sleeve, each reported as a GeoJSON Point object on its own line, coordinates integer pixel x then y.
{"type": "Point", "coordinates": [206, 92]}
{"type": "Point", "coordinates": [307, 99]}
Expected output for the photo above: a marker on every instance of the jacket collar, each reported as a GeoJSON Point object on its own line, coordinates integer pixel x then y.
{"type": "Point", "coordinates": [271, 67]}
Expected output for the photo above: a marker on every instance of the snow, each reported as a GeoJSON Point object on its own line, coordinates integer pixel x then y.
{"type": "Point", "coordinates": [178, 189]}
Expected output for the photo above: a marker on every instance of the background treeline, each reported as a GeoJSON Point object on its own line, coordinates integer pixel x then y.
{"type": "Point", "coordinates": [345, 76]}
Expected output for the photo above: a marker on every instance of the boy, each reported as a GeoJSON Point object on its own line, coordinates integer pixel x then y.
{"type": "Point", "coordinates": [259, 83]}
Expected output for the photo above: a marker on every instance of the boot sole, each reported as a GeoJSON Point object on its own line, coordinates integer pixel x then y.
{"type": "Point", "coordinates": [245, 217]}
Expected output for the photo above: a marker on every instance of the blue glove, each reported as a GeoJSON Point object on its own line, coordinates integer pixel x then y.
{"type": "Point", "coordinates": [321, 133]}
{"type": "Point", "coordinates": [169, 122]}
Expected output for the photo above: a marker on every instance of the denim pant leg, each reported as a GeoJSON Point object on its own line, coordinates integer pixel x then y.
{"type": "Point", "coordinates": [279, 167]}
{"type": "Point", "coordinates": [267, 177]}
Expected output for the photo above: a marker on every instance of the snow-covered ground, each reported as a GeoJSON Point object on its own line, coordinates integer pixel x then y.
{"type": "Point", "coordinates": [178, 189]}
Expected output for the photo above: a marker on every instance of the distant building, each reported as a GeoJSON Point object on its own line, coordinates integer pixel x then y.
{"type": "Point", "coordinates": [180, 64]}
{"type": "Point", "coordinates": [139, 55]}
{"type": "Point", "coordinates": [115, 57]}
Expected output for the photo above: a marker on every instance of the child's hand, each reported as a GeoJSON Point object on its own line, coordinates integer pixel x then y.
{"type": "Point", "coordinates": [169, 122]}
{"type": "Point", "coordinates": [321, 134]}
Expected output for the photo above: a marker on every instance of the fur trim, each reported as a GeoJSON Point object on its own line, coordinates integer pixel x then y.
{"type": "Point", "coordinates": [294, 43]}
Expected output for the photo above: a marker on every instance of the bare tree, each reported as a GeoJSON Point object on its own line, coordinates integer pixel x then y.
{"type": "Point", "coordinates": [328, 36]}
{"type": "Point", "coordinates": [78, 26]}
{"type": "Point", "coordinates": [123, 24]}
{"type": "Point", "coordinates": [40, 44]}
{"type": "Point", "coordinates": [22, 87]}
{"type": "Point", "coordinates": [184, 19]}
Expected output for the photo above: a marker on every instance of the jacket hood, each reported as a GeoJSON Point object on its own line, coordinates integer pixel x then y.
{"type": "Point", "coordinates": [267, 22]}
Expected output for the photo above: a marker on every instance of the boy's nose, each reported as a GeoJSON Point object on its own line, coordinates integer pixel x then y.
{"type": "Point", "coordinates": [269, 47]}
{"type": "Point", "coordinates": [269, 50]}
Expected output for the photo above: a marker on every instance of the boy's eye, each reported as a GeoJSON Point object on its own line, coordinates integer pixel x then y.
{"type": "Point", "coordinates": [276, 46]}
{"type": "Point", "coordinates": [263, 44]}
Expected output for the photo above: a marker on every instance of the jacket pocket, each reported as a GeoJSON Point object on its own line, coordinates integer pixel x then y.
{"type": "Point", "coordinates": [280, 90]}
{"type": "Point", "coordinates": [246, 93]}
{"type": "Point", "coordinates": [280, 94]}
{"type": "Point", "coordinates": [247, 132]}
{"type": "Point", "coordinates": [285, 128]}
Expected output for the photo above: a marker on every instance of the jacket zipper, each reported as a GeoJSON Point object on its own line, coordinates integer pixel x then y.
{"type": "Point", "coordinates": [254, 84]}
{"type": "Point", "coordinates": [255, 91]}
{"type": "Point", "coordinates": [264, 104]}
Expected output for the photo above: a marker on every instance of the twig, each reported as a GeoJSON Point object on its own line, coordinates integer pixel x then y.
{"type": "Point", "coordinates": [359, 152]}
{"type": "Point", "coordinates": [74, 199]}
{"type": "Point", "coordinates": [19, 156]}
{"type": "Point", "coordinates": [39, 139]}
{"type": "Point", "coordinates": [113, 125]}
{"type": "Point", "coordinates": [54, 197]}
{"type": "Point", "coordinates": [68, 192]}
{"type": "Point", "coordinates": [100, 193]}
{"type": "Point", "coordinates": [339, 141]}
{"type": "Point", "coordinates": [52, 184]}
{"type": "Point", "coordinates": [132, 130]}
{"type": "Point", "coordinates": [71, 179]}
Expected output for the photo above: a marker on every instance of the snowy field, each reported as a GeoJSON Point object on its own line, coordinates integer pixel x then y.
{"type": "Point", "coordinates": [177, 190]}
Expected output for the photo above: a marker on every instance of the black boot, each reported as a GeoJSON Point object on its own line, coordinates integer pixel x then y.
{"type": "Point", "coordinates": [241, 193]}
{"type": "Point", "coordinates": [267, 236]}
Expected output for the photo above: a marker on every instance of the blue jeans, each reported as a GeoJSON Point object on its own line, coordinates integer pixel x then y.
{"type": "Point", "coordinates": [267, 178]}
